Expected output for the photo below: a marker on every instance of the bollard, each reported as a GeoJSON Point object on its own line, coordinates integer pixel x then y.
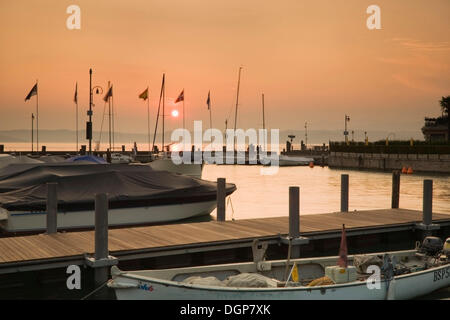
{"type": "Point", "coordinates": [344, 193]}
{"type": "Point", "coordinates": [294, 240]}
{"type": "Point", "coordinates": [294, 212]}
{"type": "Point", "coordinates": [52, 207]}
{"type": "Point", "coordinates": [2, 148]}
{"type": "Point", "coordinates": [221, 194]}
{"type": "Point", "coordinates": [108, 156]}
{"type": "Point", "coordinates": [395, 189]}
{"type": "Point", "coordinates": [101, 226]}
{"type": "Point", "coordinates": [101, 261]}
{"type": "Point", "coordinates": [427, 202]}
{"type": "Point", "coordinates": [44, 149]}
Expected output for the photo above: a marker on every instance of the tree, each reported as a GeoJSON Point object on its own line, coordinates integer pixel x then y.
{"type": "Point", "coordinates": [445, 106]}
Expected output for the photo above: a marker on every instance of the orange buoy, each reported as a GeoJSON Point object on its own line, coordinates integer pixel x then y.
{"type": "Point", "coordinates": [311, 164]}
{"type": "Point", "coordinates": [410, 170]}
{"type": "Point", "coordinates": [404, 170]}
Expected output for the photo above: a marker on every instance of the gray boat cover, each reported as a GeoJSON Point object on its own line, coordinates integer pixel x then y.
{"type": "Point", "coordinates": [23, 186]}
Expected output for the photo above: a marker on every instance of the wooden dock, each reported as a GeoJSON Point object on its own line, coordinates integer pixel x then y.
{"type": "Point", "coordinates": [36, 252]}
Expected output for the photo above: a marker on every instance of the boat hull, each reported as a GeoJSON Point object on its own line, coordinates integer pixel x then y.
{"type": "Point", "coordinates": [23, 221]}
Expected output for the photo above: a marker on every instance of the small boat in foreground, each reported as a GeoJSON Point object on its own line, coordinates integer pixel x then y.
{"type": "Point", "coordinates": [137, 195]}
{"type": "Point", "coordinates": [404, 275]}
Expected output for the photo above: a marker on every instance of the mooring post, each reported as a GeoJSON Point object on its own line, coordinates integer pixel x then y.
{"type": "Point", "coordinates": [101, 261]}
{"type": "Point", "coordinates": [427, 216]}
{"type": "Point", "coordinates": [52, 207]}
{"type": "Point", "coordinates": [395, 189]}
{"type": "Point", "coordinates": [294, 240]}
{"type": "Point", "coordinates": [427, 202]}
{"type": "Point", "coordinates": [221, 194]}
{"type": "Point", "coordinates": [108, 156]}
{"type": "Point", "coordinates": [101, 226]}
{"type": "Point", "coordinates": [294, 212]}
{"type": "Point", "coordinates": [344, 193]}
{"type": "Point", "coordinates": [294, 220]}
{"type": "Point", "coordinates": [101, 241]}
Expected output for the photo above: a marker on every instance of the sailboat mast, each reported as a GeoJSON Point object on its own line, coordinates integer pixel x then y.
{"type": "Point", "coordinates": [109, 118]}
{"type": "Point", "coordinates": [163, 103]}
{"type": "Point", "coordinates": [264, 121]}
{"type": "Point", "coordinates": [157, 116]}
{"type": "Point", "coordinates": [237, 102]}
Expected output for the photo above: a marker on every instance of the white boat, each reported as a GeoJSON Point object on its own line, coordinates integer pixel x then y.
{"type": "Point", "coordinates": [166, 164]}
{"type": "Point", "coordinates": [421, 275]}
{"type": "Point", "coordinates": [285, 161]}
{"type": "Point", "coordinates": [119, 158]}
{"type": "Point", "coordinates": [137, 195]}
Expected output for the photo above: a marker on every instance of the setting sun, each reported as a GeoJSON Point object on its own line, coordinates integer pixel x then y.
{"type": "Point", "coordinates": [175, 113]}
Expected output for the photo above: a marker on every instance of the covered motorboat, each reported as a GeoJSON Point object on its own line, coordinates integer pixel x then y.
{"type": "Point", "coordinates": [136, 194]}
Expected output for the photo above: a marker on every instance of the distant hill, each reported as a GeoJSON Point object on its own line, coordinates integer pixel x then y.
{"type": "Point", "coordinates": [314, 136]}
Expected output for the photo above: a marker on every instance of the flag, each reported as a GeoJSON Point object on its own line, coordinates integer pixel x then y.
{"type": "Point", "coordinates": [208, 101]}
{"type": "Point", "coordinates": [108, 94]}
{"type": "Point", "coordinates": [33, 92]}
{"type": "Point", "coordinates": [144, 95]}
{"type": "Point", "coordinates": [180, 97]}
{"type": "Point", "coordinates": [342, 262]}
{"type": "Point", "coordinates": [75, 97]}
{"type": "Point", "coordinates": [295, 273]}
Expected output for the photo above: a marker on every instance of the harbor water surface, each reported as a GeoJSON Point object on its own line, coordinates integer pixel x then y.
{"type": "Point", "coordinates": [260, 196]}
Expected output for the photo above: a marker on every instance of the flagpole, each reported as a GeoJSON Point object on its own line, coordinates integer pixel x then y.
{"type": "Point", "coordinates": [76, 113]}
{"type": "Point", "coordinates": [148, 122]}
{"type": "Point", "coordinates": [109, 114]}
{"type": "Point", "coordinates": [76, 104]}
{"type": "Point", "coordinates": [32, 133]}
{"type": "Point", "coordinates": [112, 109]}
{"type": "Point", "coordinates": [184, 127]}
{"type": "Point", "coordinates": [210, 117]}
{"type": "Point", "coordinates": [163, 115]}
{"type": "Point", "coordinates": [264, 122]}
{"type": "Point", "coordinates": [237, 102]}
{"type": "Point", "coordinates": [37, 116]}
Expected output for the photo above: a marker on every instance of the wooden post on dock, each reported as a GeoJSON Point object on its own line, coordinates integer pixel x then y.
{"type": "Point", "coordinates": [101, 226]}
{"type": "Point", "coordinates": [221, 195]}
{"type": "Point", "coordinates": [427, 216]}
{"type": "Point", "coordinates": [395, 189]}
{"type": "Point", "coordinates": [52, 207]}
{"type": "Point", "coordinates": [344, 193]}
{"type": "Point", "coordinates": [101, 240]}
{"type": "Point", "coordinates": [427, 202]}
{"type": "Point", "coordinates": [294, 212]}
{"type": "Point", "coordinates": [2, 148]}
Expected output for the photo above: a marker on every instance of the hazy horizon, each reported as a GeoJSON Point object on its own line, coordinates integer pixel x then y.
{"type": "Point", "coordinates": [314, 61]}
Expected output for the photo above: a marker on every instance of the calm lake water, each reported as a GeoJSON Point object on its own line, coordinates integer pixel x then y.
{"type": "Point", "coordinates": [268, 195]}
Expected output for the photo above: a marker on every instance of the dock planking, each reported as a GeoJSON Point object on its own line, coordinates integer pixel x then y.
{"type": "Point", "coordinates": [43, 247]}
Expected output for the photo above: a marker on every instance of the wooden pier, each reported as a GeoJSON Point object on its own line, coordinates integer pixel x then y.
{"type": "Point", "coordinates": [44, 251]}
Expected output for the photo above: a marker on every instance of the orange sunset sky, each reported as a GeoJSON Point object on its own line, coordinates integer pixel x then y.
{"type": "Point", "coordinates": [313, 60]}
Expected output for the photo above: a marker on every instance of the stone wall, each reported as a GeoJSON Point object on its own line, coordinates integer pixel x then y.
{"type": "Point", "coordinates": [439, 163]}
